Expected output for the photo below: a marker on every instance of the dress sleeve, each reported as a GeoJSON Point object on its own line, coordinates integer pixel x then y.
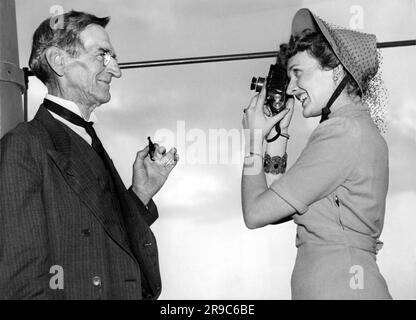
{"type": "Point", "coordinates": [326, 162]}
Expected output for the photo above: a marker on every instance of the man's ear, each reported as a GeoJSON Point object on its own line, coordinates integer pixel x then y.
{"type": "Point", "coordinates": [56, 60]}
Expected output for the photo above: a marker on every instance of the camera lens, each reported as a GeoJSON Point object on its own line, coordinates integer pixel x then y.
{"type": "Point", "coordinates": [257, 84]}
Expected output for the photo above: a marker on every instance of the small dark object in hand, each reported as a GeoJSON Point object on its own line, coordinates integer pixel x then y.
{"type": "Point", "coordinates": [152, 149]}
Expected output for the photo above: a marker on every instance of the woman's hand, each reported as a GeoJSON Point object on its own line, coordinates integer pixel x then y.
{"type": "Point", "coordinates": [285, 122]}
{"type": "Point", "coordinates": [255, 119]}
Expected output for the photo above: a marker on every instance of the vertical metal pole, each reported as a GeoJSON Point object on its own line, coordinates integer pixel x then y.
{"type": "Point", "coordinates": [11, 77]}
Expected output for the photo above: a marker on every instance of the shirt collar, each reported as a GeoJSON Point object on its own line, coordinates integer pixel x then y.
{"type": "Point", "coordinates": [70, 105]}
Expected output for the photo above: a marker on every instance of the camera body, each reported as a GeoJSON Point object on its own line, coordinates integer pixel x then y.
{"type": "Point", "coordinates": [276, 84]}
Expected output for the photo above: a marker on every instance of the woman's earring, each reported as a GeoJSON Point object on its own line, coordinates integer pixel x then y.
{"type": "Point", "coordinates": [338, 74]}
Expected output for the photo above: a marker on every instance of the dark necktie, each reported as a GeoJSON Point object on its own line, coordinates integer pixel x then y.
{"type": "Point", "coordinates": [96, 144]}
{"type": "Point", "coordinates": [78, 121]}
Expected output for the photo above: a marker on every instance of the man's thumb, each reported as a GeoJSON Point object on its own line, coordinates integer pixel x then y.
{"type": "Point", "coordinates": [142, 153]}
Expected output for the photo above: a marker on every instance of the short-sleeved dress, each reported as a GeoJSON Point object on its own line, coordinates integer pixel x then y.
{"type": "Point", "coordinates": [338, 186]}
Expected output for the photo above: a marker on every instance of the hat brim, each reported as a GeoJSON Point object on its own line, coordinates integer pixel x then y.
{"type": "Point", "coordinates": [305, 19]}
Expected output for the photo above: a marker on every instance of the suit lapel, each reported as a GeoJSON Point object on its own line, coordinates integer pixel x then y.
{"type": "Point", "coordinates": [139, 236]}
{"type": "Point", "coordinates": [79, 175]}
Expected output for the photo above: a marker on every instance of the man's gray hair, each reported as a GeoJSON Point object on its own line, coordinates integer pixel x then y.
{"type": "Point", "coordinates": [64, 36]}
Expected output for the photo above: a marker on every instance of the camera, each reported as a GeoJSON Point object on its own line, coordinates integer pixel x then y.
{"type": "Point", "coordinates": [276, 85]}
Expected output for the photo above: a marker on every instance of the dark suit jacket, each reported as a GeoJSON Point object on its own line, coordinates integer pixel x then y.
{"type": "Point", "coordinates": [59, 207]}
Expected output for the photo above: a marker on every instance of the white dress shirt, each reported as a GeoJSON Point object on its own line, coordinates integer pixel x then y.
{"type": "Point", "coordinates": [71, 106]}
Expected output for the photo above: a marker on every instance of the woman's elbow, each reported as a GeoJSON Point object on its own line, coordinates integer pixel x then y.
{"type": "Point", "coordinates": [251, 220]}
{"type": "Point", "coordinates": [249, 225]}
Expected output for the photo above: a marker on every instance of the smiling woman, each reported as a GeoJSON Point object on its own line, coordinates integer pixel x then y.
{"type": "Point", "coordinates": [315, 72]}
{"type": "Point", "coordinates": [311, 83]}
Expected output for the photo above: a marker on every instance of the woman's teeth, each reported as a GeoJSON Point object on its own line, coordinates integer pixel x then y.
{"type": "Point", "coordinates": [302, 97]}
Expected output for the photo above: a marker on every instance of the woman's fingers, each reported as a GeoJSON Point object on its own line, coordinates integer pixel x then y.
{"type": "Point", "coordinates": [278, 117]}
{"type": "Point", "coordinates": [257, 101]}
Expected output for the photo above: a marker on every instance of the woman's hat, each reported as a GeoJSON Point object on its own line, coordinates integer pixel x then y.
{"type": "Point", "coordinates": [357, 51]}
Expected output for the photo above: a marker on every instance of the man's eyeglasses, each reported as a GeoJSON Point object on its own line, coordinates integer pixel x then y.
{"type": "Point", "coordinates": [106, 56]}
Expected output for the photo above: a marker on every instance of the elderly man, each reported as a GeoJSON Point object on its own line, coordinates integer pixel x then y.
{"type": "Point", "coordinates": [69, 229]}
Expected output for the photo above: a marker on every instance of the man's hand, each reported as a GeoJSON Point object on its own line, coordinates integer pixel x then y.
{"type": "Point", "coordinates": [149, 176]}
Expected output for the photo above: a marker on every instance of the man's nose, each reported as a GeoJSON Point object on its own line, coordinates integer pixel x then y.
{"type": "Point", "coordinates": [114, 68]}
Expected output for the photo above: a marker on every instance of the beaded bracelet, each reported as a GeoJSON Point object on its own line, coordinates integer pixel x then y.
{"type": "Point", "coordinates": [275, 165]}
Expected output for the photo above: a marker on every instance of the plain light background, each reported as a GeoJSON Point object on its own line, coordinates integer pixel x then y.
{"type": "Point", "coordinates": [205, 250]}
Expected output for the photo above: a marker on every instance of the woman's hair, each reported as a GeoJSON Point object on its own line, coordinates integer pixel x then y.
{"type": "Point", "coordinates": [64, 36]}
{"type": "Point", "coordinates": [318, 47]}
